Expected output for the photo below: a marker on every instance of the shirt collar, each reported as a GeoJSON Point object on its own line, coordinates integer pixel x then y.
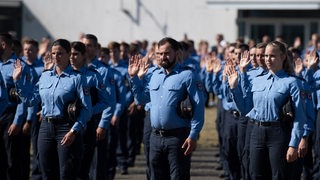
{"type": "Point", "coordinates": [66, 72]}
{"type": "Point", "coordinates": [176, 69]}
{"type": "Point", "coordinates": [277, 75]}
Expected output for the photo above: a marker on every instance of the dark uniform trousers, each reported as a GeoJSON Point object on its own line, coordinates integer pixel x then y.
{"type": "Point", "coordinates": [94, 160]}
{"type": "Point", "coordinates": [58, 161]}
{"type": "Point", "coordinates": [135, 134]}
{"type": "Point", "coordinates": [166, 156]}
{"type": "Point", "coordinates": [147, 129]}
{"type": "Point", "coordinates": [230, 133]}
{"type": "Point", "coordinates": [11, 167]}
{"type": "Point", "coordinates": [268, 149]}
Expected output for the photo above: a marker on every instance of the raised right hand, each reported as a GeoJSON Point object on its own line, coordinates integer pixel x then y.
{"type": "Point", "coordinates": [133, 67]}
{"type": "Point", "coordinates": [17, 70]}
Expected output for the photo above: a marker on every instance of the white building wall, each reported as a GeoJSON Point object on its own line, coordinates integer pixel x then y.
{"type": "Point", "coordinates": [151, 20]}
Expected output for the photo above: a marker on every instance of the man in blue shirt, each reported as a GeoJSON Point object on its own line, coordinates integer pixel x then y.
{"type": "Point", "coordinates": [173, 138]}
{"type": "Point", "coordinates": [13, 116]}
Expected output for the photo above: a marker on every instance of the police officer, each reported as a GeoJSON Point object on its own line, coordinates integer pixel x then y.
{"type": "Point", "coordinates": [173, 138]}
{"type": "Point", "coordinates": [256, 58]}
{"type": "Point", "coordinates": [124, 141]}
{"type": "Point", "coordinates": [3, 96]}
{"type": "Point", "coordinates": [60, 140]}
{"type": "Point", "coordinates": [13, 117]}
{"type": "Point", "coordinates": [115, 80]}
{"type": "Point", "coordinates": [32, 123]}
{"type": "Point", "coordinates": [102, 102]}
{"type": "Point", "coordinates": [273, 139]}
{"type": "Point", "coordinates": [145, 74]}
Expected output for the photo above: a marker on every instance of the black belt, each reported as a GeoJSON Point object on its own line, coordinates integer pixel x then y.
{"type": "Point", "coordinates": [50, 119]}
{"type": "Point", "coordinates": [171, 132]}
{"type": "Point", "coordinates": [265, 123]}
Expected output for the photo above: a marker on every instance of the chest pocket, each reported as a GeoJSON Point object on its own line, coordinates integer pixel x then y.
{"type": "Point", "coordinates": [154, 87]}
{"type": "Point", "coordinates": [45, 85]}
{"type": "Point", "coordinates": [66, 86]}
{"type": "Point", "coordinates": [173, 87]}
{"type": "Point", "coordinates": [258, 88]}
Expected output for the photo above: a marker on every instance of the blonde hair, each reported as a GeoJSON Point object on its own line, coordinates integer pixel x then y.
{"type": "Point", "coordinates": [288, 62]}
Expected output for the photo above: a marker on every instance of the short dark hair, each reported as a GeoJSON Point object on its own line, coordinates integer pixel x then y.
{"type": "Point", "coordinates": [173, 43]}
{"type": "Point", "coordinates": [91, 37]}
{"type": "Point", "coordinates": [243, 47]}
{"type": "Point", "coordinates": [113, 45]}
{"type": "Point", "coordinates": [7, 38]}
{"type": "Point", "coordinates": [65, 44]}
{"type": "Point", "coordinates": [79, 46]}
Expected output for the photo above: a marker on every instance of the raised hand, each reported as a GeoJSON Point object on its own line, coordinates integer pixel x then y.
{"type": "Point", "coordinates": [47, 60]}
{"type": "Point", "coordinates": [312, 59]}
{"type": "Point", "coordinates": [143, 68]}
{"type": "Point", "coordinates": [133, 67]}
{"type": "Point", "coordinates": [232, 77]}
{"type": "Point", "coordinates": [244, 61]}
{"type": "Point", "coordinates": [298, 66]}
{"type": "Point", "coordinates": [209, 64]}
{"type": "Point", "coordinates": [17, 70]}
{"type": "Point", "coordinates": [217, 66]}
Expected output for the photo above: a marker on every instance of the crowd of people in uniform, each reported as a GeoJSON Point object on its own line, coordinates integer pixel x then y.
{"type": "Point", "coordinates": [86, 108]}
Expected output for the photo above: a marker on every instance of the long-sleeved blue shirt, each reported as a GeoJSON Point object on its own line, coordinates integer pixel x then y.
{"type": "Point", "coordinates": [165, 92]}
{"type": "Point", "coordinates": [6, 68]}
{"type": "Point", "coordinates": [103, 102]}
{"type": "Point", "coordinates": [56, 92]}
{"type": "Point", "coordinates": [268, 95]}
{"type": "Point", "coordinates": [115, 79]}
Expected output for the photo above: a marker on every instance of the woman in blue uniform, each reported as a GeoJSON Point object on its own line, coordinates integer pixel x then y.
{"type": "Point", "coordinates": [274, 142]}
{"type": "Point", "coordinates": [59, 141]}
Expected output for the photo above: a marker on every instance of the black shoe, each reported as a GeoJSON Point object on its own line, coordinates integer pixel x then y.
{"type": "Point", "coordinates": [124, 171]}
{"type": "Point", "coordinates": [224, 175]}
{"type": "Point", "coordinates": [219, 168]}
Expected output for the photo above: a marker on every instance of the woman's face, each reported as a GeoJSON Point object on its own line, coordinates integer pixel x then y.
{"type": "Point", "coordinates": [274, 58]}
{"type": "Point", "coordinates": [59, 56]}
{"type": "Point", "coordinates": [76, 58]}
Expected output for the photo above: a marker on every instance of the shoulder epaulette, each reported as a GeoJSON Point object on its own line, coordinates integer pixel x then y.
{"type": "Point", "coordinates": [92, 69]}
{"type": "Point", "coordinates": [185, 67]}
{"type": "Point", "coordinates": [298, 77]}
{"type": "Point", "coordinates": [76, 71]}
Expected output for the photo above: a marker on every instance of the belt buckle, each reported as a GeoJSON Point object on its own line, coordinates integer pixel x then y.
{"type": "Point", "coordinates": [161, 133]}
{"type": "Point", "coordinates": [49, 119]}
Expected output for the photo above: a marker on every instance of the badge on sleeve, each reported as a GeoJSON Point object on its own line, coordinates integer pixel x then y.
{"type": "Point", "coordinates": [102, 86]}
{"type": "Point", "coordinates": [112, 81]}
{"type": "Point", "coordinates": [28, 77]}
{"type": "Point", "coordinates": [86, 91]}
{"type": "Point", "coordinates": [302, 94]}
{"type": "Point", "coordinates": [199, 85]}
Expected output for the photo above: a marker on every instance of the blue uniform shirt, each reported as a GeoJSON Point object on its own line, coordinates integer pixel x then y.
{"type": "Point", "coordinates": [104, 102]}
{"type": "Point", "coordinates": [140, 85]}
{"type": "Point", "coordinates": [56, 92]}
{"type": "Point", "coordinates": [36, 69]}
{"type": "Point", "coordinates": [116, 88]}
{"type": "Point", "coordinates": [269, 93]}
{"type": "Point", "coordinates": [3, 96]}
{"type": "Point", "coordinates": [123, 69]}
{"type": "Point", "coordinates": [165, 91]}
{"type": "Point", "coordinates": [6, 69]}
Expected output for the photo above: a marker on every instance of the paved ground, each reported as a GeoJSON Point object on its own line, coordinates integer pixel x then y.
{"type": "Point", "coordinates": [203, 166]}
